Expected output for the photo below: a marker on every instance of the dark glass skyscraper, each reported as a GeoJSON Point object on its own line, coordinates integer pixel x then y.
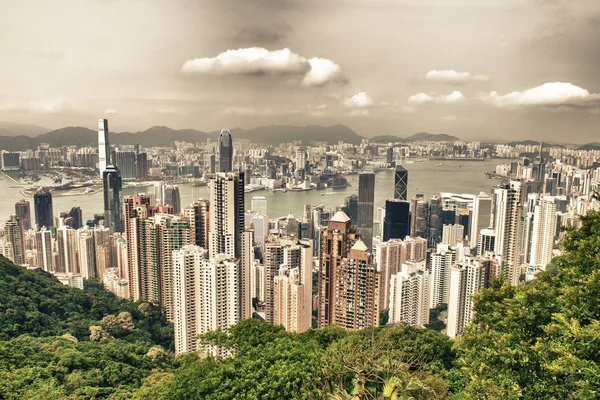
{"type": "Point", "coordinates": [112, 205]}
{"type": "Point", "coordinates": [44, 213]}
{"type": "Point", "coordinates": [400, 183]}
{"type": "Point", "coordinates": [225, 151]}
{"type": "Point", "coordinates": [366, 200]}
{"type": "Point", "coordinates": [351, 208]}
{"type": "Point", "coordinates": [125, 161]}
{"type": "Point", "coordinates": [172, 197]}
{"type": "Point", "coordinates": [396, 224]}
{"type": "Point", "coordinates": [436, 224]}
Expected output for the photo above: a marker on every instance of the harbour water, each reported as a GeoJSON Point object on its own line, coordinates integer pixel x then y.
{"type": "Point", "coordinates": [424, 177]}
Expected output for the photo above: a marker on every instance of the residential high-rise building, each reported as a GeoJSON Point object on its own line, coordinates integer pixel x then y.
{"type": "Point", "coordinates": [86, 253]}
{"type": "Point", "coordinates": [227, 214]}
{"type": "Point", "coordinates": [396, 223]}
{"type": "Point", "coordinates": [198, 216]}
{"type": "Point", "coordinates": [205, 296]}
{"type": "Point", "coordinates": [544, 230]}
{"type": "Point", "coordinates": [135, 211]}
{"type": "Point", "coordinates": [507, 216]}
{"type": "Point", "coordinates": [451, 234]}
{"type": "Point", "coordinates": [23, 213]}
{"type": "Point", "coordinates": [366, 208]}
{"type": "Point", "coordinates": [400, 183]}
{"type": "Point", "coordinates": [409, 295]}
{"type": "Point", "coordinates": [44, 213]}
{"type": "Point", "coordinates": [103, 146]}
{"type": "Point", "coordinates": [68, 262]}
{"type": "Point", "coordinates": [441, 262]}
{"type": "Point", "coordinates": [466, 279]}
{"type": "Point", "coordinates": [356, 304]}
{"type": "Point", "coordinates": [486, 242]}
{"type": "Point", "coordinates": [45, 251]}
{"type": "Point", "coordinates": [112, 202]}
{"type": "Point", "coordinates": [481, 218]}
{"type": "Point", "coordinates": [289, 307]}
{"type": "Point", "coordinates": [335, 243]}
{"type": "Point", "coordinates": [125, 161]}
{"type": "Point", "coordinates": [225, 151]}
{"type": "Point", "coordinates": [172, 197]}
{"type": "Point", "coordinates": [13, 232]}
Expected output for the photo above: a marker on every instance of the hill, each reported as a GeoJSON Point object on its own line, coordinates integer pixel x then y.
{"type": "Point", "coordinates": [14, 129]}
{"type": "Point", "coordinates": [387, 139]}
{"type": "Point", "coordinates": [417, 137]}
{"type": "Point", "coordinates": [165, 136]}
{"type": "Point", "coordinates": [590, 146]}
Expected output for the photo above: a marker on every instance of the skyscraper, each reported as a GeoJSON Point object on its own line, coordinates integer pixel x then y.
{"type": "Point", "coordinates": [419, 217]}
{"type": "Point", "coordinates": [507, 216]}
{"type": "Point", "coordinates": [544, 229]}
{"type": "Point", "coordinates": [396, 223]}
{"type": "Point", "coordinates": [227, 214]}
{"type": "Point", "coordinates": [436, 222]}
{"type": "Point", "coordinates": [135, 210]}
{"type": "Point", "coordinates": [172, 197]}
{"type": "Point", "coordinates": [409, 295]}
{"type": "Point", "coordinates": [225, 151]}
{"type": "Point", "coordinates": [486, 241]}
{"type": "Point", "coordinates": [198, 216]}
{"type": "Point", "coordinates": [125, 161]}
{"type": "Point", "coordinates": [351, 207]}
{"type": "Point", "coordinates": [441, 262]}
{"type": "Point", "coordinates": [45, 251]}
{"type": "Point", "coordinates": [103, 146]}
{"type": "Point", "coordinates": [400, 183]}
{"type": "Point", "coordinates": [482, 216]}
{"type": "Point", "coordinates": [259, 204]}
{"type": "Point", "coordinates": [13, 231]}
{"type": "Point", "coordinates": [44, 213]}
{"type": "Point", "coordinates": [335, 243]}
{"type": "Point", "coordinates": [366, 199]}
{"type": "Point", "coordinates": [112, 203]}
{"type": "Point", "coordinates": [23, 213]}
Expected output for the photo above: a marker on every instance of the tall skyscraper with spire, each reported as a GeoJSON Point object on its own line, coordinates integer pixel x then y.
{"type": "Point", "coordinates": [225, 151]}
{"type": "Point", "coordinates": [103, 146]}
{"type": "Point", "coordinates": [400, 183]}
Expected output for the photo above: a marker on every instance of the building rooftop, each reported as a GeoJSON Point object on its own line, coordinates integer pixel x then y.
{"type": "Point", "coordinates": [360, 245]}
{"type": "Point", "coordinates": [340, 216]}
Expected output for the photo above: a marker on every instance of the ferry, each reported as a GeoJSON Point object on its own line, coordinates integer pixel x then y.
{"type": "Point", "coordinates": [438, 164]}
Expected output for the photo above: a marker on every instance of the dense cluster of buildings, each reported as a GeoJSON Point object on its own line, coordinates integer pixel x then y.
{"type": "Point", "coordinates": [216, 261]}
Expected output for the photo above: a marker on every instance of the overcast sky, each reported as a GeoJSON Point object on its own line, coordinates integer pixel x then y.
{"type": "Point", "coordinates": [477, 69]}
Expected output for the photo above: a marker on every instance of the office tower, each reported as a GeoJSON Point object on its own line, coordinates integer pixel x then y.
{"type": "Point", "coordinates": [172, 197]}
{"type": "Point", "coordinates": [409, 295]}
{"type": "Point", "coordinates": [452, 234]}
{"type": "Point", "coordinates": [125, 161]}
{"type": "Point", "coordinates": [351, 207]}
{"type": "Point", "coordinates": [259, 205]}
{"type": "Point", "coordinates": [227, 214]}
{"type": "Point", "coordinates": [86, 254]}
{"type": "Point", "coordinates": [335, 242]}
{"type": "Point", "coordinates": [205, 296]}
{"type": "Point", "coordinates": [544, 229]}
{"type": "Point", "coordinates": [482, 217]}
{"type": "Point", "coordinates": [68, 262]}
{"type": "Point", "coordinates": [507, 216]}
{"type": "Point", "coordinates": [290, 292]}
{"type": "Point", "coordinates": [366, 199]}
{"type": "Point", "coordinates": [389, 155]}
{"type": "Point", "coordinates": [141, 166]}
{"type": "Point", "coordinates": [463, 217]}
{"type": "Point", "coordinates": [400, 183]}
{"type": "Point", "coordinates": [486, 241]}
{"type": "Point", "coordinates": [466, 279]}
{"type": "Point", "coordinates": [162, 234]}
{"type": "Point", "coordinates": [43, 245]}
{"type": "Point", "coordinates": [13, 232]}
{"type": "Point", "coordinates": [112, 202]}
{"type": "Point", "coordinates": [436, 223]}
{"type": "Point", "coordinates": [419, 217]}
{"type": "Point", "coordinates": [396, 223]}
{"type": "Point", "coordinates": [550, 186]}
{"type": "Point", "coordinates": [77, 217]}
{"type": "Point", "coordinates": [42, 207]}
{"type": "Point", "coordinates": [225, 151]}
{"type": "Point", "coordinates": [441, 262]}
{"type": "Point", "coordinates": [260, 225]}
{"type": "Point", "coordinates": [307, 223]}
{"type": "Point", "coordinates": [198, 216]}
{"type": "Point", "coordinates": [158, 192]}
{"type": "Point", "coordinates": [103, 146]}
{"type": "Point", "coordinates": [539, 167]}
{"type": "Point", "coordinates": [135, 210]}
{"type": "Point", "coordinates": [23, 213]}
{"type": "Point", "coordinates": [356, 304]}
{"type": "Point", "coordinates": [448, 216]}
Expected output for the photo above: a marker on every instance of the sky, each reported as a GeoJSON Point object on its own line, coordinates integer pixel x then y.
{"type": "Point", "coordinates": [476, 69]}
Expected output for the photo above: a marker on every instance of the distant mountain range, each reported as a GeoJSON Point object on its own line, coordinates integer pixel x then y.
{"type": "Point", "coordinates": [590, 146]}
{"type": "Point", "coordinates": [164, 136]}
{"type": "Point", "coordinates": [14, 129]}
{"type": "Point", "coordinates": [421, 136]}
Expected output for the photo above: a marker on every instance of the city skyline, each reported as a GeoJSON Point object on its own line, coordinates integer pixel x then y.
{"type": "Point", "coordinates": [248, 66]}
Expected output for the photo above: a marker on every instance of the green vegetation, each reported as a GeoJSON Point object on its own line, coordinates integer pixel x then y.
{"type": "Point", "coordinates": [539, 340]}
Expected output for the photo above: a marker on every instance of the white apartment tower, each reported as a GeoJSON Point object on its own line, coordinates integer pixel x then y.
{"type": "Point", "coordinates": [507, 216]}
{"type": "Point", "coordinates": [103, 146]}
{"type": "Point", "coordinates": [409, 295]}
{"type": "Point", "coordinates": [544, 229]}
{"type": "Point", "coordinates": [441, 262]}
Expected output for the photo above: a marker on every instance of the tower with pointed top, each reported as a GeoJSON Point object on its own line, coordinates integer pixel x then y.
{"type": "Point", "coordinates": [225, 151]}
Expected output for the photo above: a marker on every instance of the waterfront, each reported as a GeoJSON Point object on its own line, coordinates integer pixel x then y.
{"type": "Point", "coordinates": [424, 177]}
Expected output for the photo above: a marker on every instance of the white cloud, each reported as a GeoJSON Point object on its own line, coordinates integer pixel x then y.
{"type": "Point", "coordinates": [260, 61]}
{"type": "Point", "coordinates": [452, 77]}
{"type": "Point", "coordinates": [359, 101]}
{"type": "Point", "coordinates": [551, 94]}
{"type": "Point", "coordinates": [449, 118]}
{"type": "Point", "coordinates": [424, 98]}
